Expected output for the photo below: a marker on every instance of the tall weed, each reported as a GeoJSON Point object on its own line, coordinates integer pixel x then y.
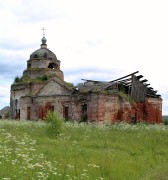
{"type": "Point", "coordinates": [55, 124]}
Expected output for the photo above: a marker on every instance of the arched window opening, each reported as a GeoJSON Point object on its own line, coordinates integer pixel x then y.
{"type": "Point", "coordinates": [51, 66]}
{"type": "Point", "coordinates": [45, 55]}
{"type": "Point", "coordinates": [28, 65]}
{"type": "Point", "coordinates": [28, 113]}
{"type": "Point", "coordinates": [35, 56]}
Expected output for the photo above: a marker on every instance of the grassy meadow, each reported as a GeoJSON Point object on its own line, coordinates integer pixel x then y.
{"type": "Point", "coordinates": [83, 151]}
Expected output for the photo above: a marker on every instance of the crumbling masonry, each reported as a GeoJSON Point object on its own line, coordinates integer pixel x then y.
{"type": "Point", "coordinates": [42, 88]}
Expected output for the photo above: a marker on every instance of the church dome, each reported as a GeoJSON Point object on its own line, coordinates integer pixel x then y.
{"type": "Point", "coordinates": [43, 53]}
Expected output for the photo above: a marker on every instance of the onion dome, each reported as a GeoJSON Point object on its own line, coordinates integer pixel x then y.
{"type": "Point", "coordinates": [44, 40]}
{"type": "Point", "coordinates": [43, 52]}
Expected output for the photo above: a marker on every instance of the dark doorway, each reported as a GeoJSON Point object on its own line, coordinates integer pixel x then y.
{"type": "Point", "coordinates": [52, 108]}
{"type": "Point", "coordinates": [42, 114]}
{"type": "Point", "coordinates": [49, 107]}
{"type": "Point", "coordinates": [133, 119]}
{"type": "Point", "coordinates": [19, 114]}
{"type": "Point", "coordinates": [84, 113]}
{"type": "Point", "coordinates": [66, 111]}
{"type": "Point", "coordinates": [28, 113]}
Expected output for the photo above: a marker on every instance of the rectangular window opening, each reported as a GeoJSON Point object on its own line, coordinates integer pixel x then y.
{"type": "Point", "coordinates": [28, 113]}
{"type": "Point", "coordinates": [84, 113]}
{"type": "Point", "coordinates": [66, 112]}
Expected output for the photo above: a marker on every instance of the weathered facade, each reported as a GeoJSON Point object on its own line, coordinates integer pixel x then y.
{"type": "Point", "coordinates": [42, 88]}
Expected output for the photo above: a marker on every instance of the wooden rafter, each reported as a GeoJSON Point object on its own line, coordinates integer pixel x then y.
{"type": "Point", "coordinates": [125, 76]}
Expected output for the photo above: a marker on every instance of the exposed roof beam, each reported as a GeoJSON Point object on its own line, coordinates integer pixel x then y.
{"type": "Point", "coordinates": [150, 88]}
{"type": "Point", "coordinates": [124, 80]}
{"type": "Point", "coordinates": [125, 76]}
{"type": "Point", "coordinates": [92, 81]}
{"type": "Point", "coordinates": [145, 80]}
{"type": "Point", "coordinates": [140, 76]}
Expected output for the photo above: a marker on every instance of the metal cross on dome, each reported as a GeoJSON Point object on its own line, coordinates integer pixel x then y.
{"type": "Point", "coordinates": [43, 31]}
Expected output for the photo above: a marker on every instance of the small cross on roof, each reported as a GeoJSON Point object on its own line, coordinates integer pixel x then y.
{"type": "Point", "coordinates": [43, 31]}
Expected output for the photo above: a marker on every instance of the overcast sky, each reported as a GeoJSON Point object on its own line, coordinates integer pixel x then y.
{"type": "Point", "coordinates": [93, 39]}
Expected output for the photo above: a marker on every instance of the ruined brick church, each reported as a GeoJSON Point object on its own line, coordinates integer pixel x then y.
{"type": "Point", "coordinates": [42, 88]}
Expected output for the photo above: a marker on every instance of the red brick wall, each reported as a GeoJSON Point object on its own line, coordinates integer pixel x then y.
{"type": "Point", "coordinates": [153, 108]}
{"type": "Point", "coordinates": [108, 108]}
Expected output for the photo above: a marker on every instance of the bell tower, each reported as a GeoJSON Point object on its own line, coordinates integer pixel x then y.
{"type": "Point", "coordinates": [43, 62]}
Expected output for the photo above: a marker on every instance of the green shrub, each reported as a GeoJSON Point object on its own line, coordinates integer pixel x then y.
{"type": "Point", "coordinates": [69, 84]}
{"type": "Point", "coordinates": [165, 121]}
{"type": "Point", "coordinates": [44, 78]}
{"type": "Point", "coordinates": [55, 124]}
{"type": "Point", "coordinates": [7, 115]}
{"type": "Point", "coordinates": [17, 79]}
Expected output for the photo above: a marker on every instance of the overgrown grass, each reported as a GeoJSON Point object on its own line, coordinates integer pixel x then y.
{"type": "Point", "coordinates": [83, 151]}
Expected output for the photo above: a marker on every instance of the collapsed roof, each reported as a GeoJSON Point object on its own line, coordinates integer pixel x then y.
{"type": "Point", "coordinates": [131, 85]}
